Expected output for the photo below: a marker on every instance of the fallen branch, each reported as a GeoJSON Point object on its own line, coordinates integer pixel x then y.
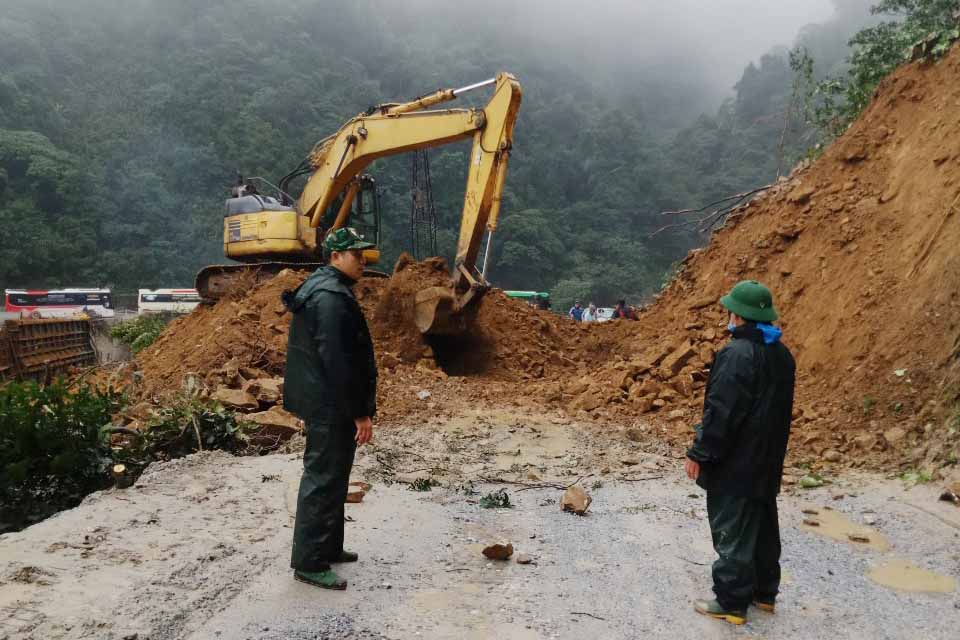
{"type": "Point", "coordinates": [641, 479]}
{"type": "Point", "coordinates": [732, 203]}
{"type": "Point", "coordinates": [584, 613]}
{"type": "Point", "coordinates": [525, 485]}
{"type": "Point", "coordinates": [699, 564]}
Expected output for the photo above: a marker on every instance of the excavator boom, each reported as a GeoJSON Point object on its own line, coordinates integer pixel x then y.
{"type": "Point", "coordinates": [395, 128]}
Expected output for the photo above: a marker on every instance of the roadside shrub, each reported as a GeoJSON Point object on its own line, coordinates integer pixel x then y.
{"type": "Point", "coordinates": [186, 425]}
{"type": "Point", "coordinates": [51, 453]}
{"type": "Point", "coordinates": [140, 332]}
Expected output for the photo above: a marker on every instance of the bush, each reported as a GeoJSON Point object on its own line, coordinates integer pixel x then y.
{"type": "Point", "coordinates": [140, 332]}
{"type": "Point", "coordinates": [835, 102]}
{"type": "Point", "coordinates": [51, 453]}
{"type": "Point", "coordinates": [186, 426]}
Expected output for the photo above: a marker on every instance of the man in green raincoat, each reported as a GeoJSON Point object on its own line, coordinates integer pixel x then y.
{"type": "Point", "coordinates": [738, 453]}
{"type": "Point", "coordinates": [331, 382]}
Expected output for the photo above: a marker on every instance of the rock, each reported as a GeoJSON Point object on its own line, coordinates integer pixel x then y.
{"type": "Point", "coordinates": [801, 194]}
{"type": "Point", "coordinates": [643, 404]}
{"type": "Point", "coordinates": [865, 441]}
{"type": "Point", "coordinates": [659, 403]}
{"type": "Point", "coordinates": [855, 153]}
{"type": "Point", "coordinates": [361, 485]}
{"type": "Point", "coordinates": [634, 435]}
{"type": "Point", "coordinates": [423, 394]}
{"type": "Point", "coordinates": [588, 401]}
{"type": "Point", "coordinates": [629, 462]}
{"type": "Point", "coordinates": [648, 387]}
{"type": "Point", "coordinates": [498, 551]}
{"type": "Point", "coordinates": [894, 435]}
{"type": "Point", "coordinates": [577, 387]}
{"type": "Point", "coordinates": [677, 414]}
{"type": "Point", "coordinates": [275, 426]}
{"type": "Point", "coordinates": [626, 382]}
{"type": "Point", "coordinates": [354, 497]}
{"type": "Point", "coordinates": [684, 385]}
{"type": "Point", "coordinates": [389, 361]}
{"type": "Point", "coordinates": [140, 412]}
{"type": "Point", "coordinates": [252, 373]}
{"type": "Point", "coordinates": [703, 301]}
{"type": "Point", "coordinates": [576, 500]}
{"type": "Point", "coordinates": [523, 558]}
{"type": "Point", "coordinates": [235, 399]}
{"type": "Point", "coordinates": [249, 314]}
{"type": "Point", "coordinates": [675, 361]}
{"type": "Point", "coordinates": [265, 390]}
{"type": "Point", "coordinates": [832, 455]}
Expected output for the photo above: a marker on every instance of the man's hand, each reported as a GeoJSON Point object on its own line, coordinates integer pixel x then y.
{"type": "Point", "coordinates": [692, 468]}
{"type": "Point", "coordinates": [364, 429]}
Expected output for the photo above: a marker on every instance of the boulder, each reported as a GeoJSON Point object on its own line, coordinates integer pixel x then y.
{"type": "Point", "coordinates": [498, 551]}
{"type": "Point", "coordinates": [894, 435]}
{"type": "Point", "coordinates": [265, 390]}
{"type": "Point", "coordinates": [274, 426]}
{"type": "Point", "coordinates": [235, 399]}
{"type": "Point", "coordinates": [801, 194]}
{"type": "Point", "coordinates": [576, 500]}
{"type": "Point", "coordinates": [675, 361]}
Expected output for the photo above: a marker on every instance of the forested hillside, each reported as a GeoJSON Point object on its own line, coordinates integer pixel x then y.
{"type": "Point", "coordinates": [121, 131]}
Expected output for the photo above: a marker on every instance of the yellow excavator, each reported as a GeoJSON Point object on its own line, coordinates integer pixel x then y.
{"type": "Point", "coordinates": [273, 233]}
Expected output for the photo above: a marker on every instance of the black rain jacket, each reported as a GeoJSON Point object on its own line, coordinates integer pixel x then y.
{"type": "Point", "coordinates": [742, 440]}
{"type": "Point", "coordinates": [330, 367]}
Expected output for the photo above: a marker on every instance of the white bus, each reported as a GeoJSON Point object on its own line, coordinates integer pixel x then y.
{"type": "Point", "coordinates": [58, 303]}
{"type": "Point", "coordinates": [171, 300]}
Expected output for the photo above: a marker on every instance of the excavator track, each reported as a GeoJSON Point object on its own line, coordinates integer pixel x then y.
{"type": "Point", "coordinates": [219, 280]}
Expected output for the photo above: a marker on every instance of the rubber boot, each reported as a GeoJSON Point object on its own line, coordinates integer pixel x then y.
{"type": "Point", "coordinates": [765, 605]}
{"type": "Point", "coordinates": [713, 609]}
{"type": "Point", "coordinates": [326, 579]}
{"type": "Point", "coordinates": [347, 556]}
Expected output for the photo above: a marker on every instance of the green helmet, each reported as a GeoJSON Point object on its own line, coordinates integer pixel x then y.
{"type": "Point", "coordinates": [751, 301]}
{"type": "Point", "coordinates": [345, 239]}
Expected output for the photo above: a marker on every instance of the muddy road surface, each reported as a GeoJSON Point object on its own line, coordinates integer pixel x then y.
{"type": "Point", "coordinates": [199, 549]}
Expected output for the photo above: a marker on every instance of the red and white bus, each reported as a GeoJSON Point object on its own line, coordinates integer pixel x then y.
{"type": "Point", "coordinates": [59, 303]}
{"type": "Point", "coordinates": [170, 300]}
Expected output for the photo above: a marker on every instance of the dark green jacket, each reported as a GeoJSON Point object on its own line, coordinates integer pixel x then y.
{"type": "Point", "coordinates": [742, 440]}
{"type": "Point", "coordinates": [330, 366]}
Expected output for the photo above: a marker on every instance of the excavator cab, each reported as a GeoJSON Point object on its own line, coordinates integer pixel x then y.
{"type": "Point", "coordinates": [269, 234]}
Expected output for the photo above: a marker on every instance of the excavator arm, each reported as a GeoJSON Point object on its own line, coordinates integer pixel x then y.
{"type": "Point", "coordinates": [395, 128]}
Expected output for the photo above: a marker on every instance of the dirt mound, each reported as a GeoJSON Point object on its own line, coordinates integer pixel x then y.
{"type": "Point", "coordinates": [246, 336]}
{"type": "Point", "coordinates": [860, 250]}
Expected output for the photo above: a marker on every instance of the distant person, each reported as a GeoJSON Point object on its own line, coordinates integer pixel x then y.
{"type": "Point", "coordinates": [737, 455]}
{"type": "Point", "coordinates": [576, 312]}
{"type": "Point", "coordinates": [590, 313]}
{"type": "Point", "coordinates": [622, 311]}
{"type": "Point", "coordinates": [331, 382]}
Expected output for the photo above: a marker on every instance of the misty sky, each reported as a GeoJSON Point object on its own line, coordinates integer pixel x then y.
{"type": "Point", "coordinates": [719, 36]}
{"type": "Point", "coordinates": [705, 43]}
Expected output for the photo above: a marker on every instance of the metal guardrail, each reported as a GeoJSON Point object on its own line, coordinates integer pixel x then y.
{"type": "Point", "coordinates": [41, 349]}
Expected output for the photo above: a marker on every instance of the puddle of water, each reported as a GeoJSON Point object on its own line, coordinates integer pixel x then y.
{"type": "Point", "coordinates": [837, 526]}
{"type": "Point", "coordinates": [903, 575]}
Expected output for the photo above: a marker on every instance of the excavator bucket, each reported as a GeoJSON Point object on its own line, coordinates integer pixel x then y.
{"type": "Point", "coordinates": [436, 312]}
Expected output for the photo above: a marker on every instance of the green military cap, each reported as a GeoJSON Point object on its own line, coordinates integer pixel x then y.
{"type": "Point", "coordinates": [751, 301]}
{"type": "Point", "coordinates": [345, 239]}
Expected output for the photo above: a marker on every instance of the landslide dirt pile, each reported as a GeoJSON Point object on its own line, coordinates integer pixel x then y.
{"type": "Point", "coordinates": [861, 251]}
{"type": "Point", "coordinates": [242, 340]}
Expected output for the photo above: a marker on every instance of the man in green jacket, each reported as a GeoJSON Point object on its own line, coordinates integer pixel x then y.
{"type": "Point", "coordinates": [738, 453]}
{"type": "Point", "coordinates": [331, 382]}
